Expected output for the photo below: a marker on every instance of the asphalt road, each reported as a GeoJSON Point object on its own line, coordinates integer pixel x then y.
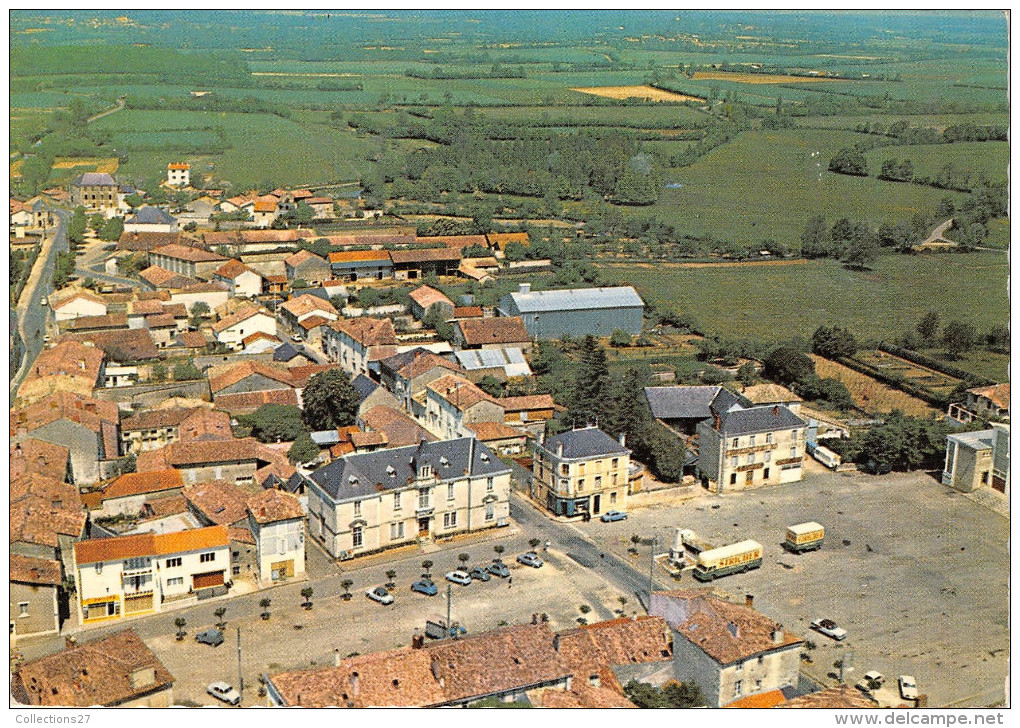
{"type": "Point", "coordinates": [33, 317]}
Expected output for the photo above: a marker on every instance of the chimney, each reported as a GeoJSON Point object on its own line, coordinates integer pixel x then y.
{"type": "Point", "coordinates": [777, 635]}
{"type": "Point", "coordinates": [716, 421]}
{"type": "Point", "coordinates": [734, 630]}
{"type": "Point", "coordinates": [417, 639]}
{"type": "Point", "coordinates": [623, 439]}
{"type": "Point", "coordinates": [70, 641]}
{"type": "Point", "coordinates": [559, 449]}
{"type": "Point", "coordinates": [534, 617]}
{"type": "Point", "coordinates": [556, 642]}
{"type": "Point", "coordinates": [749, 601]}
{"type": "Point", "coordinates": [775, 411]}
{"type": "Point", "coordinates": [17, 449]}
{"type": "Point", "coordinates": [355, 684]}
{"type": "Point", "coordinates": [336, 657]}
{"type": "Point", "coordinates": [524, 288]}
{"type": "Point", "coordinates": [435, 672]}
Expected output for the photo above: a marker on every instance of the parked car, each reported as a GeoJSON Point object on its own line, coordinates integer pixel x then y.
{"type": "Point", "coordinates": [479, 573]}
{"type": "Point", "coordinates": [908, 687]}
{"type": "Point", "coordinates": [426, 587]}
{"type": "Point", "coordinates": [459, 577]}
{"type": "Point", "coordinates": [379, 594]}
{"type": "Point", "coordinates": [45, 301]}
{"type": "Point", "coordinates": [530, 559]}
{"type": "Point", "coordinates": [210, 637]}
{"type": "Point", "coordinates": [829, 629]}
{"type": "Point", "coordinates": [498, 568]}
{"type": "Point", "coordinates": [875, 678]}
{"type": "Point", "coordinates": [223, 691]}
{"type": "Point", "coordinates": [610, 516]}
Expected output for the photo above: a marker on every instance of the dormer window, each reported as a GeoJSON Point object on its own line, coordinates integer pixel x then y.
{"type": "Point", "coordinates": [425, 471]}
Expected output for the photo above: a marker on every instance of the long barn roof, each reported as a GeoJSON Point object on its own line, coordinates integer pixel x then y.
{"type": "Point", "coordinates": [576, 298]}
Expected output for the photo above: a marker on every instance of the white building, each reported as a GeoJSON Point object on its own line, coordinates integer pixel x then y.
{"type": "Point", "coordinates": [234, 329]}
{"type": "Point", "coordinates": [132, 575]}
{"type": "Point", "coordinates": [80, 303]}
{"type": "Point", "coordinates": [277, 521]}
{"type": "Point", "coordinates": [178, 174]}
{"type": "Point", "coordinates": [367, 502]}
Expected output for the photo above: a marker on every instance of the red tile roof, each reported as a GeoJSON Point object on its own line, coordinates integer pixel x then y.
{"type": "Point", "coordinates": [187, 253]}
{"type": "Point", "coordinates": [270, 506]}
{"type": "Point", "coordinates": [353, 256]}
{"type": "Point", "coordinates": [467, 312]}
{"type": "Point", "coordinates": [232, 269]}
{"type": "Point", "coordinates": [30, 570]}
{"type": "Point", "coordinates": [492, 431]}
{"type": "Point", "coordinates": [86, 411]}
{"type": "Point", "coordinates": [459, 392]}
{"type": "Point", "coordinates": [201, 452]}
{"type": "Point", "coordinates": [368, 331]}
{"type": "Point", "coordinates": [138, 483]}
{"type": "Point", "coordinates": [248, 368]}
{"type": "Point", "coordinates": [149, 544]}
{"type": "Point", "coordinates": [306, 303]}
{"type": "Point", "coordinates": [501, 330]}
{"type": "Point", "coordinates": [399, 428]}
{"type": "Point", "coordinates": [109, 671]}
{"type": "Point", "coordinates": [221, 502]}
{"type": "Point", "coordinates": [768, 699]}
{"type": "Point", "coordinates": [427, 296]}
{"type": "Point", "coordinates": [38, 456]}
{"type": "Point", "coordinates": [998, 394]}
{"type": "Point", "coordinates": [242, 314]}
{"type": "Point", "coordinates": [425, 255]}
{"type": "Point", "coordinates": [840, 697]}
{"type": "Point", "coordinates": [527, 402]}
{"type": "Point", "coordinates": [241, 403]}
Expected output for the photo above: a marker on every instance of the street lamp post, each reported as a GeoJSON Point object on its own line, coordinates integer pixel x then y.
{"type": "Point", "coordinates": [240, 675]}
{"type": "Point", "coordinates": [651, 568]}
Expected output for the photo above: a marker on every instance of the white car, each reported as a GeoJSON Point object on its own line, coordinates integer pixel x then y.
{"type": "Point", "coordinates": [829, 629]}
{"type": "Point", "coordinates": [459, 577]}
{"type": "Point", "coordinates": [379, 594]}
{"type": "Point", "coordinates": [45, 301]}
{"type": "Point", "coordinates": [908, 687]}
{"type": "Point", "coordinates": [223, 691]}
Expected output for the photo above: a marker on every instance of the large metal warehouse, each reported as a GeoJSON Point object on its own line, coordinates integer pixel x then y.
{"type": "Point", "coordinates": [575, 311]}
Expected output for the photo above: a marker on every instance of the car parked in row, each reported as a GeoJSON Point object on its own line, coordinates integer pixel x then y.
{"type": "Point", "coordinates": [480, 573]}
{"type": "Point", "coordinates": [426, 587]}
{"type": "Point", "coordinates": [908, 687]}
{"type": "Point", "coordinates": [829, 629]}
{"type": "Point", "coordinates": [498, 568]}
{"type": "Point", "coordinates": [459, 577]}
{"type": "Point", "coordinates": [610, 516]}
{"type": "Point", "coordinates": [530, 559]}
{"type": "Point", "coordinates": [210, 637]}
{"type": "Point", "coordinates": [379, 594]}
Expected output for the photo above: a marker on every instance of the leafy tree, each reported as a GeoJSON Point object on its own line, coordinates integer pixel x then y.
{"type": "Point", "coordinates": [815, 241]}
{"type": "Point", "coordinates": [275, 423]}
{"type": "Point", "coordinates": [435, 318]}
{"type": "Point", "coordinates": [134, 200]}
{"type": "Point", "coordinates": [998, 339]}
{"type": "Point", "coordinates": [426, 566]}
{"type": "Point", "coordinates": [620, 338]}
{"type": "Point", "coordinates": [330, 400]}
{"type": "Point", "coordinates": [303, 450]}
{"type": "Point", "coordinates": [112, 229]}
{"type": "Point", "coordinates": [849, 161]}
{"type": "Point", "coordinates": [97, 221]}
{"type": "Point", "coordinates": [861, 251]}
{"type": "Point", "coordinates": [902, 442]}
{"type": "Point", "coordinates": [499, 549]}
{"type": "Point", "coordinates": [786, 365]}
{"type": "Point", "coordinates": [591, 386]}
{"type": "Point", "coordinates": [187, 372]}
{"type": "Point", "coordinates": [747, 374]}
{"type": "Point", "coordinates": [491, 385]}
{"type": "Point", "coordinates": [833, 342]}
{"type": "Point", "coordinates": [198, 311]}
{"type": "Point", "coordinates": [346, 585]}
{"type": "Point", "coordinates": [928, 326]}
{"type": "Point", "coordinates": [830, 390]}
{"type": "Point", "coordinates": [671, 695]}
{"type": "Point", "coordinates": [306, 594]}
{"type": "Point", "coordinates": [959, 337]}
{"type": "Point", "coordinates": [463, 559]}
{"type": "Point", "coordinates": [159, 372]}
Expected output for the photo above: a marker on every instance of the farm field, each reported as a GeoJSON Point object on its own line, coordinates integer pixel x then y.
{"type": "Point", "coordinates": [973, 159]}
{"type": "Point", "coordinates": [980, 362]}
{"type": "Point", "coordinates": [766, 78]}
{"type": "Point", "coordinates": [768, 184]}
{"type": "Point", "coordinates": [937, 121]}
{"type": "Point", "coordinates": [869, 394]}
{"type": "Point", "coordinates": [920, 376]}
{"type": "Point", "coordinates": [649, 117]}
{"type": "Point", "coordinates": [636, 92]}
{"type": "Point", "coordinates": [773, 303]}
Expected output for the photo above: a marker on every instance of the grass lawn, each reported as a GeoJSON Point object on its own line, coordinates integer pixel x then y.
{"type": "Point", "coordinates": [773, 303]}
{"type": "Point", "coordinates": [767, 184]}
{"type": "Point", "coordinates": [990, 159]}
{"type": "Point", "coordinates": [981, 362]}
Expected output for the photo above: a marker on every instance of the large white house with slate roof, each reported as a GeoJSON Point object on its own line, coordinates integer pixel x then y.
{"type": "Point", "coordinates": [575, 311]}
{"type": "Point", "coordinates": [581, 473]}
{"type": "Point", "coordinates": [367, 502]}
{"type": "Point", "coordinates": [747, 447]}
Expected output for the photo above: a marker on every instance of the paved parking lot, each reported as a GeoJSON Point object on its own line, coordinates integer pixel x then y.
{"type": "Point", "coordinates": [916, 573]}
{"type": "Point", "coordinates": [360, 625]}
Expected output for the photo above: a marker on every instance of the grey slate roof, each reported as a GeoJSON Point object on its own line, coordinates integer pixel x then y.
{"type": "Point", "coordinates": [577, 298]}
{"type": "Point", "coordinates": [758, 419]}
{"type": "Point", "coordinates": [95, 179]}
{"type": "Point", "coordinates": [511, 358]}
{"type": "Point", "coordinates": [399, 361]}
{"type": "Point", "coordinates": [287, 351]}
{"type": "Point", "coordinates": [364, 386]}
{"type": "Point", "coordinates": [696, 403]}
{"type": "Point", "coordinates": [150, 216]}
{"type": "Point", "coordinates": [325, 438]}
{"type": "Point", "coordinates": [980, 440]}
{"type": "Point", "coordinates": [588, 442]}
{"type": "Point", "coordinates": [365, 474]}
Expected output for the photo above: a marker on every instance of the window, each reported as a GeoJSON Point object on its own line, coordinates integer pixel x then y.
{"type": "Point", "coordinates": [564, 469]}
{"type": "Point", "coordinates": [396, 501]}
{"type": "Point", "coordinates": [177, 580]}
{"type": "Point", "coordinates": [753, 438]}
{"type": "Point", "coordinates": [616, 463]}
{"type": "Point", "coordinates": [490, 484]}
{"type": "Point", "coordinates": [984, 478]}
{"type": "Point", "coordinates": [236, 554]}
{"type": "Point", "coordinates": [765, 473]}
{"type": "Point", "coordinates": [598, 482]}
{"type": "Point", "coordinates": [490, 511]}
{"type": "Point", "coordinates": [580, 483]}
{"type": "Point", "coordinates": [767, 457]}
{"type": "Point", "coordinates": [450, 520]}
{"type": "Point", "coordinates": [396, 531]}
{"type": "Point", "coordinates": [739, 667]}
{"type": "Point", "coordinates": [738, 688]}
{"type": "Point", "coordinates": [22, 609]}
{"type": "Point", "coordinates": [357, 508]}
{"type": "Point", "coordinates": [750, 458]}
{"type": "Point", "coordinates": [757, 684]}
{"type": "Point", "coordinates": [734, 461]}
{"type": "Point", "coordinates": [357, 536]}
{"type": "Point", "coordinates": [139, 562]}
{"type": "Point", "coordinates": [612, 498]}
{"type": "Point", "coordinates": [423, 498]}
{"type": "Point", "coordinates": [768, 437]}
{"type": "Point", "coordinates": [451, 492]}
{"type": "Point", "coordinates": [793, 451]}
{"type": "Point", "coordinates": [235, 570]}
{"type": "Point", "coordinates": [207, 557]}
{"type": "Point", "coordinates": [735, 442]}
{"type": "Point", "coordinates": [733, 478]}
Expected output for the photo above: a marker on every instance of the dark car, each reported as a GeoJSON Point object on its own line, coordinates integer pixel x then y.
{"type": "Point", "coordinates": [498, 568]}
{"type": "Point", "coordinates": [426, 587]}
{"type": "Point", "coordinates": [480, 573]}
{"type": "Point", "coordinates": [530, 559]}
{"type": "Point", "coordinates": [210, 637]}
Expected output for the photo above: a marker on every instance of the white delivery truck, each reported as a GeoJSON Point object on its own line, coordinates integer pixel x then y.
{"type": "Point", "coordinates": [714, 563]}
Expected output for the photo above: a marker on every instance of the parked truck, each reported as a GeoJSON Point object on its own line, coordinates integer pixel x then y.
{"type": "Point", "coordinates": [436, 628]}
{"type": "Point", "coordinates": [824, 455]}
{"type": "Point", "coordinates": [804, 537]}
{"type": "Point", "coordinates": [686, 542]}
{"type": "Point", "coordinates": [725, 560]}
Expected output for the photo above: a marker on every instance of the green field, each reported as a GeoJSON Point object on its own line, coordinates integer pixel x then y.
{"type": "Point", "coordinates": [768, 184]}
{"type": "Point", "coordinates": [779, 302]}
{"type": "Point", "coordinates": [988, 159]}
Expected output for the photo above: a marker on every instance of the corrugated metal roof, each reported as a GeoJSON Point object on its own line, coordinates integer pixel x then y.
{"type": "Point", "coordinates": [576, 298]}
